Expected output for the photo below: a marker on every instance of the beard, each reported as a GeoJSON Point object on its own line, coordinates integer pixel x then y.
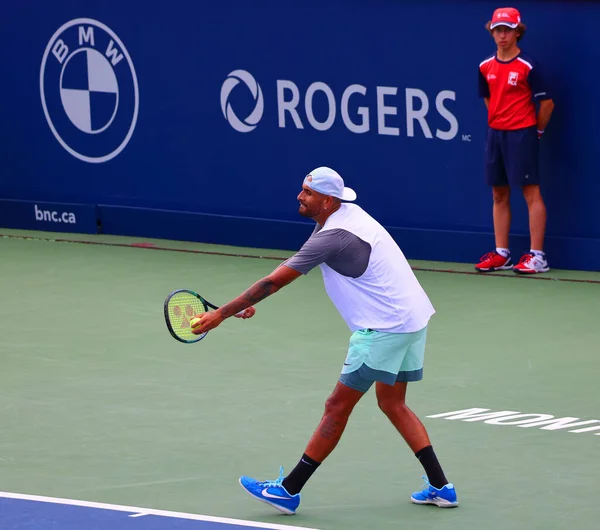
{"type": "Point", "coordinates": [304, 211]}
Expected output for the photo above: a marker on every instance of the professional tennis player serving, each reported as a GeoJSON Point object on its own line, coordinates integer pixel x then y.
{"type": "Point", "coordinates": [370, 282]}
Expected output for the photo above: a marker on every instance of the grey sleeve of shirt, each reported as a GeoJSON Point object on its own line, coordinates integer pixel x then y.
{"type": "Point", "coordinates": [341, 250]}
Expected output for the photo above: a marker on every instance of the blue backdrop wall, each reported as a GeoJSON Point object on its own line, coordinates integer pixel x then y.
{"type": "Point", "coordinates": [199, 120]}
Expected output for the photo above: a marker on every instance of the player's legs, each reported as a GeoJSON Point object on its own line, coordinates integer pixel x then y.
{"type": "Point", "coordinates": [392, 401]}
{"type": "Point", "coordinates": [338, 408]}
{"type": "Point", "coordinates": [353, 385]}
{"type": "Point", "coordinates": [372, 356]}
{"type": "Point", "coordinates": [284, 493]}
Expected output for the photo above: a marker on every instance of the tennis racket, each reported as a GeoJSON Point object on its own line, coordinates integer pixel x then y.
{"type": "Point", "coordinates": [180, 308]}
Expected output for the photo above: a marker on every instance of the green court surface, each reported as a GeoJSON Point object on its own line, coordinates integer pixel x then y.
{"type": "Point", "coordinates": [99, 403]}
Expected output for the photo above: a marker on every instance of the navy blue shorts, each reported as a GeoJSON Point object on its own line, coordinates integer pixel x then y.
{"type": "Point", "coordinates": [511, 157]}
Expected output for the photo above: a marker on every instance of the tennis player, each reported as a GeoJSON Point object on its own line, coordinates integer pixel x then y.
{"type": "Point", "coordinates": [376, 292]}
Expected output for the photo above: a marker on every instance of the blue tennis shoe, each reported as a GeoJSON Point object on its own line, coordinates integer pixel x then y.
{"type": "Point", "coordinates": [272, 492]}
{"type": "Point", "coordinates": [444, 497]}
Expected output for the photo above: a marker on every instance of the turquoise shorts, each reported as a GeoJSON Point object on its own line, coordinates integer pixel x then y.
{"type": "Point", "coordinates": [385, 357]}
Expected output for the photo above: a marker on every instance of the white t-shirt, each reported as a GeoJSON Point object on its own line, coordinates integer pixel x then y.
{"type": "Point", "coordinates": [365, 272]}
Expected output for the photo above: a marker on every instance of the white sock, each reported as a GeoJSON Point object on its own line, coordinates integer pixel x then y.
{"type": "Point", "coordinates": [538, 253]}
{"type": "Point", "coordinates": [504, 252]}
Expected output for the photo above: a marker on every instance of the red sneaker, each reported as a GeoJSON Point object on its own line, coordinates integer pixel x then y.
{"type": "Point", "coordinates": [492, 261]}
{"type": "Point", "coordinates": [531, 264]}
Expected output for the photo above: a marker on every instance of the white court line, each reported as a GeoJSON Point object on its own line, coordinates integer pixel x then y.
{"type": "Point", "coordinates": [148, 511]}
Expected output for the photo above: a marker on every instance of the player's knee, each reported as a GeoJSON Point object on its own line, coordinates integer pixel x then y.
{"type": "Point", "coordinates": [532, 195]}
{"type": "Point", "coordinates": [384, 404]}
{"type": "Point", "coordinates": [337, 406]}
{"type": "Point", "coordinates": [391, 404]}
{"type": "Point", "coordinates": [501, 195]}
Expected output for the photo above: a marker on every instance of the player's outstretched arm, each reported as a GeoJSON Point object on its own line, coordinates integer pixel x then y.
{"type": "Point", "coordinates": [267, 286]}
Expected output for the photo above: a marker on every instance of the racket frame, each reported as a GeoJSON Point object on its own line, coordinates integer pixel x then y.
{"type": "Point", "coordinates": [204, 302]}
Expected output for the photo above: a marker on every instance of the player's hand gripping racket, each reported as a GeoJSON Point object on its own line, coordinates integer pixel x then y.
{"type": "Point", "coordinates": [180, 307]}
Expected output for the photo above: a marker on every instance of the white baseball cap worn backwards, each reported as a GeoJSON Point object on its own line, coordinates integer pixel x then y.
{"type": "Point", "coordinates": [328, 182]}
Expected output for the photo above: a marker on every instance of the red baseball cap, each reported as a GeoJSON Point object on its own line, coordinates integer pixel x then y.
{"type": "Point", "coordinates": [506, 16]}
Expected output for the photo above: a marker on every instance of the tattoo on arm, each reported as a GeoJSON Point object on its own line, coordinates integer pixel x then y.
{"type": "Point", "coordinates": [259, 291]}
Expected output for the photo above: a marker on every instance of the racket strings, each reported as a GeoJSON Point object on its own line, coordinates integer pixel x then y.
{"type": "Point", "coordinates": [181, 308]}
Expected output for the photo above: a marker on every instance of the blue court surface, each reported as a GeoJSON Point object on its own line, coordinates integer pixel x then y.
{"type": "Point", "coordinates": [32, 512]}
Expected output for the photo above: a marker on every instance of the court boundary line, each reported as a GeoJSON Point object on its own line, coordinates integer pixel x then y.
{"type": "Point", "coordinates": [148, 511]}
{"type": "Point", "coordinates": [152, 246]}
